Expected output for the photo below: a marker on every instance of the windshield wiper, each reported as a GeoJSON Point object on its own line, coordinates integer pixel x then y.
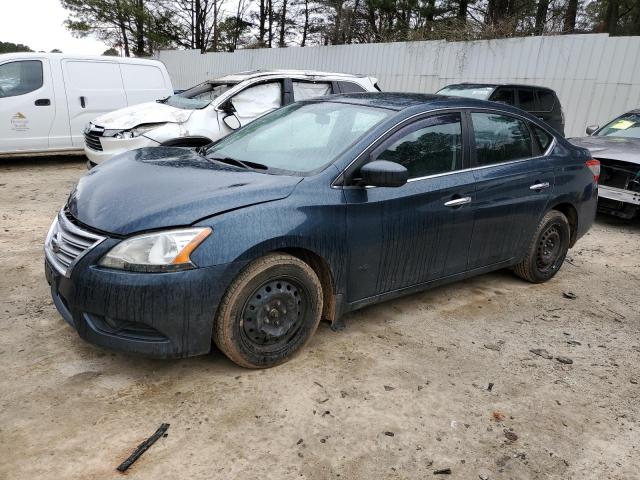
{"type": "Point", "coordinates": [240, 163]}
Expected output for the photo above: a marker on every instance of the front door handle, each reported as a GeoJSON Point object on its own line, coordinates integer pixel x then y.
{"type": "Point", "coordinates": [456, 202]}
{"type": "Point", "coordinates": [539, 186]}
{"type": "Point", "coordinates": [42, 102]}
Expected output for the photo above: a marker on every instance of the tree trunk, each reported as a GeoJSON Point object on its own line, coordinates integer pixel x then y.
{"type": "Point", "coordinates": [305, 27]}
{"type": "Point", "coordinates": [123, 29]}
{"type": "Point", "coordinates": [354, 19]}
{"type": "Point", "coordinates": [463, 6]}
{"type": "Point", "coordinates": [613, 12]}
{"type": "Point", "coordinates": [283, 24]}
{"type": "Point", "coordinates": [270, 17]}
{"type": "Point", "coordinates": [541, 17]}
{"type": "Point", "coordinates": [139, 22]}
{"type": "Point", "coordinates": [570, 16]}
{"type": "Point", "coordinates": [199, 34]}
{"type": "Point", "coordinates": [262, 31]}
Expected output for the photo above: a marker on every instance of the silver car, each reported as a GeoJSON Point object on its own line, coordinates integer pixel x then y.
{"type": "Point", "coordinates": [617, 146]}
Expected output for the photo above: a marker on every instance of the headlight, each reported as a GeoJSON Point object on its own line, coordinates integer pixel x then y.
{"type": "Point", "coordinates": [166, 251]}
{"type": "Point", "coordinates": [137, 131]}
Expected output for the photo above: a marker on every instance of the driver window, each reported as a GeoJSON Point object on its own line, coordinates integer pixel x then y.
{"type": "Point", "coordinates": [428, 147]}
{"type": "Point", "coordinates": [18, 78]}
{"type": "Point", "coordinates": [257, 100]}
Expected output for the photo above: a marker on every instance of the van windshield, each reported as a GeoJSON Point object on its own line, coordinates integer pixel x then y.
{"type": "Point", "coordinates": [479, 92]}
{"type": "Point", "coordinates": [199, 96]}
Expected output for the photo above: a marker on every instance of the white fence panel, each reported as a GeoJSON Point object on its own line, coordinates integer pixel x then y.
{"type": "Point", "coordinates": [596, 77]}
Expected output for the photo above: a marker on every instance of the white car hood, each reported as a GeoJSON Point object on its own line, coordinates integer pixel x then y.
{"type": "Point", "coordinates": [143, 113]}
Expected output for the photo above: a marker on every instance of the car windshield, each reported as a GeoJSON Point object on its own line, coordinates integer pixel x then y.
{"type": "Point", "coordinates": [479, 92]}
{"type": "Point", "coordinates": [627, 125]}
{"type": "Point", "coordinates": [299, 138]}
{"type": "Point", "coordinates": [199, 96]}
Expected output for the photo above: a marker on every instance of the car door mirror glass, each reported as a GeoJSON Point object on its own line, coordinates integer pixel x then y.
{"type": "Point", "coordinates": [591, 129]}
{"type": "Point", "coordinates": [382, 173]}
{"type": "Point", "coordinates": [232, 122]}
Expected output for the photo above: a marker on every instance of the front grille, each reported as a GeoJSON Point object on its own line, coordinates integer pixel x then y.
{"type": "Point", "coordinates": [93, 141]}
{"type": "Point", "coordinates": [614, 173]}
{"type": "Point", "coordinates": [66, 243]}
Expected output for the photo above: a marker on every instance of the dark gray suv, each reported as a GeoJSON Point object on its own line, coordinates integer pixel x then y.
{"type": "Point", "coordinates": [539, 101]}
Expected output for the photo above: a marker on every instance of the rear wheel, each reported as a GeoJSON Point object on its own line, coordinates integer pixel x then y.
{"type": "Point", "coordinates": [547, 250]}
{"type": "Point", "coordinates": [269, 312]}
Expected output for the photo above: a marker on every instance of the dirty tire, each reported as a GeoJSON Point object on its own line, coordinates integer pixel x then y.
{"type": "Point", "coordinates": [547, 250]}
{"type": "Point", "coordinates": [269, 312]}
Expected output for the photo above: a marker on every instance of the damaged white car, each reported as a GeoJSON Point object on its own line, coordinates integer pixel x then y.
{"type": "Point", "coordinates": [211, 110]}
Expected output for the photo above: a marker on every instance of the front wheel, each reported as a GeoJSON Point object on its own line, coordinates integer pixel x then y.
{"type": "Point", "coordinates": [269, 312]}
{"type": "Point", "coordinates": [547, 250]}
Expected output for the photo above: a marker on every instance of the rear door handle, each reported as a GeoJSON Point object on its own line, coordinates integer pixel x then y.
{"type": "Point", "coordinates": [457, 202]}
{"type": "Point", "coordinates": [42, 102]}
{"type": "Point", "coordinates": [82, 102]}
{"type": "Point", "coordinates": [539, 186]}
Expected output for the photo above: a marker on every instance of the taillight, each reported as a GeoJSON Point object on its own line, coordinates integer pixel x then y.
{"type": "Point", "coordinates": [594, 166]}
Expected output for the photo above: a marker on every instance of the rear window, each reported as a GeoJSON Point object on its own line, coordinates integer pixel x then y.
{"type": "Point", "coordinates": [546, 99]}
{"type": "Point", "coordinates": [480, 92]}
{"type": "Point", "coordinates": [500, 138]}
{"type": "Point", "coordinates": [350, 87]}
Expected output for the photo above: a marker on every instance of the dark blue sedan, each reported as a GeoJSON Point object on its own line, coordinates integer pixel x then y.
{"type": "Point", "coordinates": [310, 212]}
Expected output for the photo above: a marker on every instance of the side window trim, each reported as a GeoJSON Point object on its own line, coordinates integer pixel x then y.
{"type": "Point", "coordinates": [344, 178]}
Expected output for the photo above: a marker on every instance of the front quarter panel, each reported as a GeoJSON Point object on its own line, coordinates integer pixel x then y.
{"type": "Point", "coordinates": [311, 218]}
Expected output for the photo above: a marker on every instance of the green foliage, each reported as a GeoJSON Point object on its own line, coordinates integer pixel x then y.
{"type": "Point", "coordinates": [8, 47]}
{"type": "Point", "coordinates": [111, 52]}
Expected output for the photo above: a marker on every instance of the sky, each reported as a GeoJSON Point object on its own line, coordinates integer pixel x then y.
{"type": "Point", "coordinates": [39, 25]}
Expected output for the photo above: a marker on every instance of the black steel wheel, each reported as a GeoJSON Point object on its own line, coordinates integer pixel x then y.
{"type": "Point", "coordinates": [269, 311]}
{"type": "Point", "coordinates": [547, 250]}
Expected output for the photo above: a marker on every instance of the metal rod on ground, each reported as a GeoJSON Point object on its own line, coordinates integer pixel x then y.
{"type": "Point", "coordinates": [143, 447]}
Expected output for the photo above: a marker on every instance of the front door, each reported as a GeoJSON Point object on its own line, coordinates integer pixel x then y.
{"type": "Point", "coordinates": [404, 236]}
{"type": "Point", "coordinates": [27, 104]}
{"type": "Point", "coordinates": [514, 182]}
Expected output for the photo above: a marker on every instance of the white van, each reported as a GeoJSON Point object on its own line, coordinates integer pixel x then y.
{"type": "Point", "coordinates": [211, 110]}
{"type": "Point", "coordinates": [47, 99]}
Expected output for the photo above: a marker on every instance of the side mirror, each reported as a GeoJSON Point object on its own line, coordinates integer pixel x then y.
{"type": "Point", "coordinates": [231, 121]}
{"type": "Point", "coordinates": [591, 129]}
{"type": "Point", "coordinates": [382, 173]}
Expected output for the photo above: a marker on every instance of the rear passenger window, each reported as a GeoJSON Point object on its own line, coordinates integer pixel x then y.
{"type": "Point", "coordinates": [307, 90]}
{"type": "Point", "coordinates": [350, 87]}
{"type": "Point", "coordinates": [427, 147]}
{"type": "Point", "coordinates": [545, 100]}
{"type": "Point", "coordinates": [504, 95]}
{"type": "Point", "coordinates": [543, 138]}
{"type": "Point", "coordinates": [500, 138]}
{"type": "Point", "coordinates": [527, 99]}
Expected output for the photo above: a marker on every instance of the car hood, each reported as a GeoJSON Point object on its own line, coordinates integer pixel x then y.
{"type": "Point", "coordinates": [613, 148]}
{"type": "Point", "coordinates": [163, 187]}
{"type": "Point", "coordinates": [143, 113]}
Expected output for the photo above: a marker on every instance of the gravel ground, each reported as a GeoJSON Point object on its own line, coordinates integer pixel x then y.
{"type": "Point", "coordinates": [439, 380]}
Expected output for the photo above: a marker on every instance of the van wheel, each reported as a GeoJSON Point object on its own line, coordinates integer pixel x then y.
{"type": "Point", "coordinates": [269, 312]}
{"type": "Point", "coordinates": [547, 250]}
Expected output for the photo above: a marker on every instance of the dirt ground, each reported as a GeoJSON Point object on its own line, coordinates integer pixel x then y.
{"type": "Point", "coordinates": [401, 393]}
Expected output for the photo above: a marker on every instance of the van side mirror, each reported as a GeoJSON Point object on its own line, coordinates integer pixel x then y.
{"type": "Point", "coordinates": [382, 173]}
{"type": "Point", "coordinates": [231, 121]}
{"type": "Point", "coordinates": [591, 129]}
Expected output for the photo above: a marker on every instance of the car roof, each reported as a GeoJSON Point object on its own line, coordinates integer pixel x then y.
{"type": "Point", "coordinates": [241, 76]}
{"type": "Point", "coordinates": [495, 85]}
{"type": "Point", "coordinates": [104, 58]}
{"type": "Point", "coordinates": [413, 101]}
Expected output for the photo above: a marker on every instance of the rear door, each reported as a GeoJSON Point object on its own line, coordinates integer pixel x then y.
{"type": "Point", "coordinates": [93, 88]}
{"type": "Point", "coordinates": [143, 83]}
{"type": "Point", "coordinates": [514, 182]}
{"type": "Point", "coordinates": [27, 105]}
{"type": "Point", "coordinates": [404, 236]}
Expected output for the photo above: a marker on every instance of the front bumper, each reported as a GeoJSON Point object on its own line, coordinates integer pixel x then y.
{"type": "Point", "coordinates": [161, 315]}
{"type": "Point", "coordinates": [113, 146]}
